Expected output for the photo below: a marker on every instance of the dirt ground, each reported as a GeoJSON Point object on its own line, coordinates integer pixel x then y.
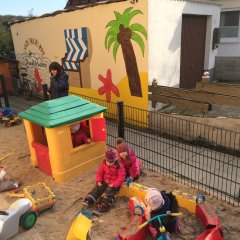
{"type": "Point", "coordinates": [55, 223]}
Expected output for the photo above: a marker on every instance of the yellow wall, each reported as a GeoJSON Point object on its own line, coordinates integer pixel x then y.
{"type": "Point", "coordinates": [49, 32]}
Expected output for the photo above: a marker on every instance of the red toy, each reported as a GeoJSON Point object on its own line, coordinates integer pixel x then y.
{"type": "Point", "coordinates": [209, 219]}
{"type": "Point", "coordinates": [136, 205]}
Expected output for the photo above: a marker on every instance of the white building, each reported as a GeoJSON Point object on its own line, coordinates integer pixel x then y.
{"type": "Point", "coordinates": [228, 58]}
{"type": "Point", "coordinates": [181, 40]}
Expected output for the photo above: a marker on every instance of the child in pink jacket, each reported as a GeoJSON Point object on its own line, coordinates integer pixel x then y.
{"type": "Point", "coordinates": [109, 178]}
{"type": "Point", "coordinates": [120, 141]}
{"type": "Point", "coordinates": [130, 162]}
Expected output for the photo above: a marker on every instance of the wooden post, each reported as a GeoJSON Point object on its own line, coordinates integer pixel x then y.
{"type": "Point", "coordinates": [4, 91]}
{"type": "Point", "coordinates": [154, 84]}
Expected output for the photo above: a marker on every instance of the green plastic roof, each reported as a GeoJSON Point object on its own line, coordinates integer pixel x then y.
{"type": "Point", "coordinates": [61, 111]}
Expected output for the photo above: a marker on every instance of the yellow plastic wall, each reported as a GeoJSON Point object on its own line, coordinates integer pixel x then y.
{"type": "Point", "coordinates": [186, 200]}
{"type": "Point", "coordinates": [68, 162]}
{"type": "Point", "coordinates": [30, 138]}
{"type": "Point", "coordinates": [134, 190]}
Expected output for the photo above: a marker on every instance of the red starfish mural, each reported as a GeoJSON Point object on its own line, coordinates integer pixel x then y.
{"type": "Point", "coordinates": [38, 79]}
{"type": "Point", "coordinates": [108, 86]}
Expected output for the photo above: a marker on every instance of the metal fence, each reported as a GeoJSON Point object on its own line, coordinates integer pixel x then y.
{"type": "Point", "coordinates": [203, 156]}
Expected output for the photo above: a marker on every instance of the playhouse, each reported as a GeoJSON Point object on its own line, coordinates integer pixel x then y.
{"type": "Point", "coordinates": [48, 129]}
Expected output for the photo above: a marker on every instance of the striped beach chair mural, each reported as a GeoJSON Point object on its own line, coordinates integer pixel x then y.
{"type": "Point", "coordinates": [77, 48]}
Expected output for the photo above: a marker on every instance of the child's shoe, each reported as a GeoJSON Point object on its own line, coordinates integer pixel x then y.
{"type": "Point", "coordinates": [102, 207]}
{"type": "Point", "coordinates": [104, 204]}
{"type": "Point", "coordinates": [178, 226]}
{"type": "Point", "coordinates": [88, 202]}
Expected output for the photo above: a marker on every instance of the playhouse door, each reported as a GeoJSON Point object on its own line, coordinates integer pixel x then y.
{"type": "Point", "coordinates": [42, 155]}
{"type": "Point", "coordinates": [98, 129]}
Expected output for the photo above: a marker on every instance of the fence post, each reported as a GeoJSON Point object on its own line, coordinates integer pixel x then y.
{"type": "Point", "coordinates": [45, 89]}
{"type": "Point", "coordinates": [0, 94]}
{"type": "Point", "coordinates": [154, 84]}
{"type": "Point", "coordinates": [4, 91]}
{"type": "Point", "coordinates": [120, 119]}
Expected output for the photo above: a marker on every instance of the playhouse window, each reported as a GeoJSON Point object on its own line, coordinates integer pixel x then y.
{"type": "Point", "coordinates": [39, 134]}
{"type": "Point", "coordinates": [80, 133]}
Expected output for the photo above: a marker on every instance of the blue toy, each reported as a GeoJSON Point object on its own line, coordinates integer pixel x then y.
{"type": "Point", "coordinates": [162, 229]}
{"type": "Point", "coordinates": [128, 181]}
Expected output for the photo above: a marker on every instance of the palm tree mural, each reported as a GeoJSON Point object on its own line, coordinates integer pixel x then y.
{"type": "Point", "coordinates": [120, 33]}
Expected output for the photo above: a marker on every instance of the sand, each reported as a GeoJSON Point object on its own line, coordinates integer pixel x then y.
{"type": "Point", "coordinates": [55, 223]}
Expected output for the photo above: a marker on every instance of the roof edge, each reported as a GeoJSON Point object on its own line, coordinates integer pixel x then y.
{"type": "Point", "coordinates": [67, 10]}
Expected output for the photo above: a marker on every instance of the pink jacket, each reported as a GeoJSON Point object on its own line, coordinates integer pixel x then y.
{"type": "Point", "coordinates": [131, 165]}
{"type": "Point", "coordinates": [111, 174]}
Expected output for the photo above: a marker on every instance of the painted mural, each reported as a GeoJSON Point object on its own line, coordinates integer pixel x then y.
{"type": "Point", "coordinates": [121, 33]}
{"type": "Point", "coordinates": [76, 60]}
{"type": "Point", "coordinates": [108, 86]}
{"type": "Point", "coordinates": [102, 48]}
{"type": "Point", "coordinates": [35, 42]}
{"type": "Point", "coordinates": [34, 63]}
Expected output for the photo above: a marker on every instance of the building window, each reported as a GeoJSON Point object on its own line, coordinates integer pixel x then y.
{"type": "Point", "coordinates": [229, 24]}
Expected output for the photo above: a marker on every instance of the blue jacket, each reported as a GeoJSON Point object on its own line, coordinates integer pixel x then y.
{"type": "Point", "coordinates": [59, 86]}
{"type": "Point", "coordinates": [169, 222]}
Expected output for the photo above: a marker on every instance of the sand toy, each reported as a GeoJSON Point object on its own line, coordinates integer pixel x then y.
{"type": "Point", "coordinates": [19, 213]}
{"type": "Point", "coordinates": [162, 229]}
{"type": "Point", "coordinates": [194, 204]}
{"type": "Point", "coordinates": [79, 228]}
{"type": "Point", "coordinates": [6, 117]}
{"type": "Point", "coordinates": [41, 197]}
{"type": "Point", "coordinates": [138, 217]}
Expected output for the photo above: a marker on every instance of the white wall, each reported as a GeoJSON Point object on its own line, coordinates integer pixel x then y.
{"type": "Point", "coordinates": [164, 27]}
{"type": "Point", "coordinates": [229, 5]}
{"type": "Point", "coordinates": [229, 47]}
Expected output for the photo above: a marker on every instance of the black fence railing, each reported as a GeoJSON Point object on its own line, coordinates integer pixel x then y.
{"type": "Point", "coordinates": [206, 157]}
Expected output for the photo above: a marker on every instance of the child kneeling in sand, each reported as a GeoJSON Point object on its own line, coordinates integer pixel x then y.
{"type": "Point", "coordinates": [109, 178]}
{"type": "Point", "coordinates": [160, 203]}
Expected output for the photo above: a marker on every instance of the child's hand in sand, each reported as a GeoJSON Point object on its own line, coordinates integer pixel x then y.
{"type": "Point", "coordinates": [89, 140]}
{"type": "Point", "coordinates": [2, 173]}
{"type": "Point", "coordinates": [110, 185]}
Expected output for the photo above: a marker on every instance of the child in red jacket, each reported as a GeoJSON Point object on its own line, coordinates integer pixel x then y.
{"type": "Point", "coordinates": [80, 134]}
{"type": "Point", "coordinates": [109, 178]}
{"type": "Point", "coordinates": [130, 162]}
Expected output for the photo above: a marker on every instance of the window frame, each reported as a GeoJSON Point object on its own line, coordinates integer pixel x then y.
{"type": "Point", "coordinates": [82, 146]}
{"type": "Point", "coordinates": [231, 39]}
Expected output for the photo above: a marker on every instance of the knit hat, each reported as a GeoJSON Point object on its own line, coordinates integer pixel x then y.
{"type": "Point", "coordinates": [154, 199]}
{"type": "Point", "coordinates": [111, 155]}
{"type": "Point", "coordinates": [120, 141]}
{"type": "Point", "coordinates": [75, 127]}
{"type": "Point", "coordinates": [122, 148]}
